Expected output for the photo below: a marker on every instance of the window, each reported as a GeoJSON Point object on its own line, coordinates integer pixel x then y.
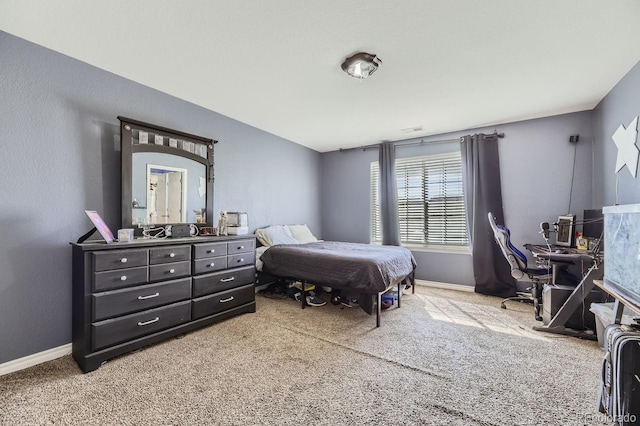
{"type": "Point", "coordinates": [430, 201]}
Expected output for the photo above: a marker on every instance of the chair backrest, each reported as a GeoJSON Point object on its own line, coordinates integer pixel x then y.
{"type": "Point", "coordinates": [517, 260]}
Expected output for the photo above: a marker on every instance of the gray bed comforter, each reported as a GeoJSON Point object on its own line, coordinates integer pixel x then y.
{"type": "Point", "coordinates": [358, 268]}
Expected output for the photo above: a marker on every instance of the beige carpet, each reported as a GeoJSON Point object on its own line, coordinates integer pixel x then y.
{"type": "Point", "coordinates": [445, 357]}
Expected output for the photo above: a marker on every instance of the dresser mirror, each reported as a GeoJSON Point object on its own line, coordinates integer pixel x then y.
{"type": "Point", "coordinates": [167, 176]}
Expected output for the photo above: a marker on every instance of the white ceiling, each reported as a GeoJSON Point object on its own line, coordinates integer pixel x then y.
{"type": "Point", "coordinates": [448, 65]}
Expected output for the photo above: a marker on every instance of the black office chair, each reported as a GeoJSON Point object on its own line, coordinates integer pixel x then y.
{"type": "Point", "coordinates": [519, 269]}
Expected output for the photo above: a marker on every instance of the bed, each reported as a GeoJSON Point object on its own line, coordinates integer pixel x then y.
{"type": "Point", "coordinates": [363, 271]}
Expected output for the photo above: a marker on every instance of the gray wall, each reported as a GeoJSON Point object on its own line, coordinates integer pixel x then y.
{"type": "Point", "coordinates": [619, 107]}
{"type": "Point", "coordinates": [58, 157]}
{"type": "Point", "coordinates": [536, 164]}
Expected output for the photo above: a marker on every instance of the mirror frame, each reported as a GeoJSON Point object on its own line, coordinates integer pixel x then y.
{"type": "Point", "coordinates": [128, 148]}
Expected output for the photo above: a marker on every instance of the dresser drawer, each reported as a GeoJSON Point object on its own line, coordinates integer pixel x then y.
{"type": "Point", "coordinates": [169, 254]}
{"type": "Point", "coordinates": [241, 246]}
{"type": "Point", "coordinates": [166, 271]}
{"type": "Point", "coordinates": [110, 280]}
{"type": "Point", "coordinates": [119, 302]}
{"type": "Point", "coordinates": [219, 302]}
{"type": "Point", "coordinates": [119, 259]}
{"type": "Point", "coordinates": [201, 251]}
{"type": "Point", "coordinates": [241, 259]}
{"type": "Point", "coordinates": [112, 331]}
{"type": "Point", "coordinates": [202, 266]}
{"type": "Point", "coordinates": [224, 280]}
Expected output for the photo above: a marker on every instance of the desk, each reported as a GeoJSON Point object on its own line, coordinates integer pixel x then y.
{"type": "Point", "coordinates": [559, 252]}
{"type": "Point", "coordinates": [565, 257]}
{"type": "Point", "coordinates": [557, 324]}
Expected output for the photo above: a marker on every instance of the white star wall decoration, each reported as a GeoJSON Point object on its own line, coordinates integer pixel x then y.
{"type": "Point", "coordinates": [625, 140]}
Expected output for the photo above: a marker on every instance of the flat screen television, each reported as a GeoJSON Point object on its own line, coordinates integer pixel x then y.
{"type": "Point", "coordinates": [566, 230]}
{"type": "Point", "coordinates": [621, 253]}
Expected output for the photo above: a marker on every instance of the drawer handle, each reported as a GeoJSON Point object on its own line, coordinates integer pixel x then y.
{"type": "Point", "coordinates": [123, 260]}
{"type": "Point", "coordinates": [240, 248]}
{"type": "Point", "coordinates": [172, 255]}
{"type": "Point", "coordinates": [229, 299]}
{"type": "Point", "coordinates": [151, 296]}
{"type": "Point", "coordinates": [226, 280]}
{"type": "Point", "coordinates": [211, 251]}
{"type": "Point", "coordinates": [156, 319]}
{"type": "Point", "coordinates": [171, 271]}
{"type": "Point", "coordinates": [123, 278]}
{"type": "Point", "coordinates": [212, 264]}
{"type": "Point", "coordinates": [240, 260]}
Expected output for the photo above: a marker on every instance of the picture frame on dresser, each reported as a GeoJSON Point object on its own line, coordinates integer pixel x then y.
{"type": "Point", "coordinates": [100, 225]}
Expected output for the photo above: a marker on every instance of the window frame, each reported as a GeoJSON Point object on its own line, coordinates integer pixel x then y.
{"type": "Point", "coordinates": [448, 166]}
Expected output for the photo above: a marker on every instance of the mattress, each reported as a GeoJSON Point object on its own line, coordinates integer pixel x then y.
{"type": "Point", "coordinates": [359, 268]}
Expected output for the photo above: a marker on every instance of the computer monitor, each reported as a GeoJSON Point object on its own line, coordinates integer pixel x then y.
{"type": "Point", "coordinates": [593, 224]}
{"type": "Point", "coordinates": [566, 230]}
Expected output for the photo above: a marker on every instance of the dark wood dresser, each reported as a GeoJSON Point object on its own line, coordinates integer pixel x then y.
{"type": "Point", "coordinates": [130, 295]}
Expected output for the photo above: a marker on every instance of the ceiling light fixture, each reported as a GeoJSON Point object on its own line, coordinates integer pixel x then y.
{"type": "Point", "coordinates": [361, 65]}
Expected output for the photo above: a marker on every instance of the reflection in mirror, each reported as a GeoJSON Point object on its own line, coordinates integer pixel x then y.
{"type": "Point", "coordinates": [167, 188]}
{"type": "Point", "coordinates": [165, 194]}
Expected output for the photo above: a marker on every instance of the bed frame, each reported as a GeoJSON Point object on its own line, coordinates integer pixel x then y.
{"type": "Point", "coordinates": [409, 279]}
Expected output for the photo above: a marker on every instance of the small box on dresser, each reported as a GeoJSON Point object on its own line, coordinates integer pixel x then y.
{"type": "Point", "coordinates": [130, 295]}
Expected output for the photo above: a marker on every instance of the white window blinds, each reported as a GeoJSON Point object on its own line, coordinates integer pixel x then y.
{"type": "Point", "coordinates": [430, 200]}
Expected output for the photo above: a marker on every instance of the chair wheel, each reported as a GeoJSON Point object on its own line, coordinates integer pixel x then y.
{"type": "Point", "coordinates": [503, 306]}
{"type": "Point", "coordinates": [335, 300]}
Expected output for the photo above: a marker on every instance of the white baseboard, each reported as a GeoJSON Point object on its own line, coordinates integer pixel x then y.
{"type": "Point", "coordinates": [446, 286]}
{"type": "Point", "coordinates": [34, 359]}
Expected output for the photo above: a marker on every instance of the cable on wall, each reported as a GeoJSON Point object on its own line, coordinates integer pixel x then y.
{"type": "Point", "coordinates": [574, 140]}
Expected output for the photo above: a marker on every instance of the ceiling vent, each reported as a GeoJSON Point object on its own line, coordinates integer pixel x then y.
{"type": "Point", "coordinates": [412, 129]}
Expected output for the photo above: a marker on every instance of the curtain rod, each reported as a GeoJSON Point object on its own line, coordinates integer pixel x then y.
{"type": "Point", "coordinates": [407, 142]}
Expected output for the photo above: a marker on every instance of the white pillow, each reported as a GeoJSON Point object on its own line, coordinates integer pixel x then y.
{"type": "Point", "coordinates": [302, 233]}
{"type": "Point", "coordinates": [276, 234]}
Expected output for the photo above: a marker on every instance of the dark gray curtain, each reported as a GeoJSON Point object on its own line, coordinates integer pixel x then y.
{"type": "Point", "coordinates": [481, 175]}
{"type": "Point", "coordinates": [388, 195]}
